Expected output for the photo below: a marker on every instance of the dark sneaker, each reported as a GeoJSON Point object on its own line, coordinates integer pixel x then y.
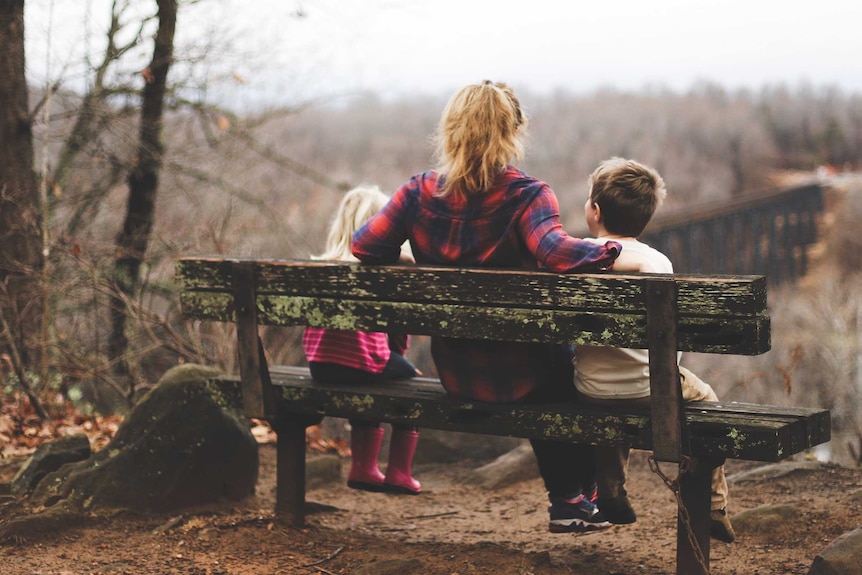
{"type": "Point", "coordinates": [577, 515]}
{"type": "Point", "coordinates": [720, 527]}
{"type": "Point", "coordinates": [592, 493]}
{"type": "Point", "coordinates": [617, 510]}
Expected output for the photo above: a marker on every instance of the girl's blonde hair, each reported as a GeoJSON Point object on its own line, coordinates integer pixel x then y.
{"type": "Point", "coordinates": [356, 207]}
{"type": "Point", "coordinates": [480, 132]}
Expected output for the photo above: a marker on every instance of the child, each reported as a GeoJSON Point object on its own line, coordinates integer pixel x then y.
{"type": "Point", "coordinates": [341, 356]}
{"type": "Point", "coordinates": [623, 197]}
{"type": "Point", "coordinates": [477, 209]}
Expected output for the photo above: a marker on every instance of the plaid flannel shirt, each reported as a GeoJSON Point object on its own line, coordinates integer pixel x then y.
{"type": "Point", "coordinates": [515, 224]}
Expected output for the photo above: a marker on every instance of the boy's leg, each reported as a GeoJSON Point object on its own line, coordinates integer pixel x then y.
{"type": "Point", "coordinates": [612, 463]}
{"type": "Point", "coordinates": [695, 389]}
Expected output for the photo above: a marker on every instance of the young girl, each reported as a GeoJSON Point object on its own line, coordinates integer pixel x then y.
{"type": "Point", "coordinates": [341, 356]}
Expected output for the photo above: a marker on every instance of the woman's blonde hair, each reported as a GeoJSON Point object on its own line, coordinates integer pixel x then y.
{"type": "Point", "coordinates": [356, 207]}
{"type": "Point", "coordinates": [480, 132]}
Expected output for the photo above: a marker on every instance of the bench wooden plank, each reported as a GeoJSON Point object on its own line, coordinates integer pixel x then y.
{"type": "Point", "coordinates": [715, 432]}
{"type": "Point", "coordinates": [698, 295]}
{"type": "Point", "coordinates": [818, 421]}
{"type": "Point", "coordinates": [743, 335]}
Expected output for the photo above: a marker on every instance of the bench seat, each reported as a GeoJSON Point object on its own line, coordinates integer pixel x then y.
{"type": "Point", "coordinates": [716, 429]}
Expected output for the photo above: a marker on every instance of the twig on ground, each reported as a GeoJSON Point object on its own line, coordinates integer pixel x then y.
{"type": "Point", "coordinates": [325, 559]}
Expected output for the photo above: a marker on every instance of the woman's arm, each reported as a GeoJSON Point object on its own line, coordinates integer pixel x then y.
{"type": "Point", "coordinates": [379, 241]}
{"type": "Point", "coordinates": [553, 247]}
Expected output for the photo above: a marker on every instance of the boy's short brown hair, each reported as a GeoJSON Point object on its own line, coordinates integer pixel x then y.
{"type": "Point", "coordinates": [628, 194]}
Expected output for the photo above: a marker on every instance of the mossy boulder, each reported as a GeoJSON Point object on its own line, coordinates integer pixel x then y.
{"type": "Point", "coordinates": [183, 444]}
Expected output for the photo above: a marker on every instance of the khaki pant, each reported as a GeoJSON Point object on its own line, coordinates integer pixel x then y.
{"type": "Point", "coordinates": [613, 461]}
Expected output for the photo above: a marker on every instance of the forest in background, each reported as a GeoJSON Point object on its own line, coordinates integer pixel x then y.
{"type": "Point", "coordinates": [265, 183]}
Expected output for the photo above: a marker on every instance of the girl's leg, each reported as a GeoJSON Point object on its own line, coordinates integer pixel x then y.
{"type": "Point", "coordinates": [365, 437]}
{"type": "Point", "coordinates": [399, 474]}
{"type": "Point", "coordinates": [365, 441]}
{"type": "Point", "coordinates": [398, 367]}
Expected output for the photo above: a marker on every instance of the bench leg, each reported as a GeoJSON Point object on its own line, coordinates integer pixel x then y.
{"type": "Point", "coordinates": [695, 490]}
{"type": "Point", "coordinates": [290, 474]}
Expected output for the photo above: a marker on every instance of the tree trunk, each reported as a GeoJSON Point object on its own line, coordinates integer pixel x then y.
{"type": "Point", "coordinates": [21, 258]}
{"type": "Point", "coordinates": [143, 183]}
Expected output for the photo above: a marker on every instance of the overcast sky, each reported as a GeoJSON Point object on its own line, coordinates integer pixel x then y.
{"type": "Point", "coordinates": [397, 47]}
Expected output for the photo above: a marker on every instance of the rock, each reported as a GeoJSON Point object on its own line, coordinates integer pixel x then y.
{"type": "Point", "coordinates": [762, 519]}
{"type": "Point", "coordinates": [515, 466]}
{"type": "Point", "coordinates": [841, 557]}
{"type": "Point", "coordinates": [47, 458]}
{"type": "Point", "coordinates": [775, 470]}
{"type": "Point", "coordinates": [180, 446]}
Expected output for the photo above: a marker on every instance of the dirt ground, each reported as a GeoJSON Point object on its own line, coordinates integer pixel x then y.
{"type": "Point", "coordinates": [451, 529]}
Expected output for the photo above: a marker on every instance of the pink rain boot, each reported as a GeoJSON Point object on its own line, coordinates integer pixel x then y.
{"type": "Point", "coordinates": [365, 447]}
{"type": "Point", "coordinates": [399, 478]}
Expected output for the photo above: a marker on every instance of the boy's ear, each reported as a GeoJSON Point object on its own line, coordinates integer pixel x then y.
{"type": "Point", "coordinates": [598, 210]}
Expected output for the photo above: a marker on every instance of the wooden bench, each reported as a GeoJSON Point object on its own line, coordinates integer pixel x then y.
{"type": "Point", "coordinates": [662, 313]}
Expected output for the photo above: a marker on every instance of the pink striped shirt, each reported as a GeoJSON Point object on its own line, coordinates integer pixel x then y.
{"type": "Point", "coordinates": [368, 351]}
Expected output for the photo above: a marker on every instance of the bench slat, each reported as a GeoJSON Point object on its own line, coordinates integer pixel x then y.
{"type": "Point", "coordinates": [729, 335]}
{"type": "Point", "coordinates": [716, 432]}
{"type": "Point", "coordinates": [818, 421]}
{"type": "Point", "coordinates": [698, 295]}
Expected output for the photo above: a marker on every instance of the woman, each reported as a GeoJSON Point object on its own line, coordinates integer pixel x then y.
{"type": "Point", "coordinates": [478, 210]}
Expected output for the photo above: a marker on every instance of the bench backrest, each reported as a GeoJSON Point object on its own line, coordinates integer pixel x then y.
{"type": "Point", "coordinates": [715, 314]}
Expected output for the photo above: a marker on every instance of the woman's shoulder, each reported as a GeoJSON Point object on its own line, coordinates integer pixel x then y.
{"type": "Point", "coordinates": [517, 181]}
{"type": "Point", "coordinates": [425, 182]}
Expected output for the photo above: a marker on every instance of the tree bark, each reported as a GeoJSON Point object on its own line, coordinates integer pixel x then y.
{"type": "Point", "coordinates": [143, 181]}
{"type": "Point", "coordinates": [21, 259]}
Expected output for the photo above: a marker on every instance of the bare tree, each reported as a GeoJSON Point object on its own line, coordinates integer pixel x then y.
{"type": "Point", "coordinates": [143, 183]}
{"type": "Point", "coordinates": [21, 257]}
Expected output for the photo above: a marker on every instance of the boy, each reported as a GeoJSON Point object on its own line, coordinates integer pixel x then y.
{"type": "Point", "coordinates": [624, 194]}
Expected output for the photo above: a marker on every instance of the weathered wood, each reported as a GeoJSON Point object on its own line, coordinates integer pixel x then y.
{"type": "Point", "coordinates": [245, 312]}
{"type": "Point", "coordinates": [742, 336]}
{"type": "Point", "coordinates": [716, 315]}
{"type": "Point", "coordinates": [251, 365]}
{"type": "Point", "coordinates": [290, 470]}
{"type": "Point", "coordinates": [717, 430]}
{"type": "Point", "coordinates": [665, 394]}
{"type": "Point", "coordinates": [619, 293]}
{"type": "Point", "coordinates": [693, 518]}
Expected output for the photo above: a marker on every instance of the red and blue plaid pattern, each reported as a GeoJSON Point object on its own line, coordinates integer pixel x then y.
{"type": "Point", "coordinates": [516, 224]}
